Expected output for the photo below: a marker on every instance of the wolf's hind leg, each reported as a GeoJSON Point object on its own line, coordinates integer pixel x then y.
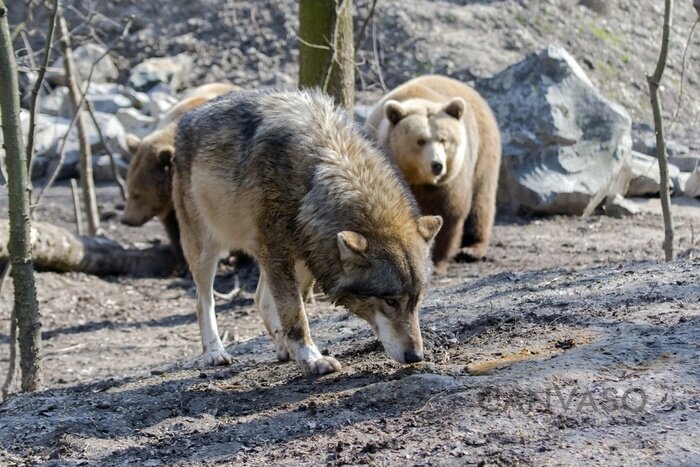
{"type": "Point", "coordinates": [284, 288]}
{"type": "Point", "coordinates": [266, 306]}
{"type": "Point", "coordinates": [203, 272]}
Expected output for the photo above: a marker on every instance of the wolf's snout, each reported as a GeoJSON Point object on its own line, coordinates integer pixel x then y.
{"type": "Point", "coordinates": [436, 167]}
{"type": "Point", "coordinates": [413, 357]}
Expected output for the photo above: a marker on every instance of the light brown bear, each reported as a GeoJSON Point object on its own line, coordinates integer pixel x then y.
{"type": "Point", "coordinates": [149, 179]}
{"type": "Point", "coordinates": [444, 138]}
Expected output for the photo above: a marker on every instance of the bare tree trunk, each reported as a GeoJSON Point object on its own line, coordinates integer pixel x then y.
{"type": "Point", "coordinates": [25, 303]}
{"type": "Point", "coordinates": [37, 87]}
{"type": "Point", "coordinates": [58, 249]}
{"type": "Point", "coordinates": [86, 178]}
{"type": "Point", "coordinates": [326, 51]}
{"type": "Point", "coordinates": [654, 82]}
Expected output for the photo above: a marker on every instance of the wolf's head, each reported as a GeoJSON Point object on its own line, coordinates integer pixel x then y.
{"type": "Point", "coordinates": [383, 282]}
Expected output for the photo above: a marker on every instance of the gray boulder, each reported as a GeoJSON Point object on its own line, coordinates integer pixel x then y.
{"type": "Point", "coordinates": [170, 70]}
{"type": "Point", "coordinates": [564, 144]}
{"type": "Point", "coordinates": [646, 180]}
{"type": "Point", "coordinates": [105, 70]}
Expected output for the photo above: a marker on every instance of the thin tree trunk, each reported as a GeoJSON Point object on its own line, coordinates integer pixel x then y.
{"type": "Point", "coordinates": [25, 302]}
{"type": "Point", "coordinates": [86, 178]}
{"type": "Point", "coordinates": [654, 82]}
{"type": "Point", "coordinates": [37, 87]}
{"type": "Point", "coordinates": [57, 249]}
{"type": "Point", "coordinates": [326, 51]}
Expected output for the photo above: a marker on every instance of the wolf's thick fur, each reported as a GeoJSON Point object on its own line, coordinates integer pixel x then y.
{"type": "Point", "coordinates": [445, 139]}
{"type": "Point", "coordinates": [149, 179]}
{"type": "Point", "coordinates": [287, 178]}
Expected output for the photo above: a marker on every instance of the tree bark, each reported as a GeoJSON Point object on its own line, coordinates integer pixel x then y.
{"type": "Point", "coordinates": [86, 177]}
{"type": "Point", "coordinates": [654, 81]}
{"type": "Point", "coordinates": [59, 250]}
{"type": "Point", "coordinates": [326, 50]}
{"type": "Point", "coordinates": [25, 302]}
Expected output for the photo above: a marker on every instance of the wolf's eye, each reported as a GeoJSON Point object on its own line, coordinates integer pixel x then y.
{"type": "Point", "coordinates": [392, 302]}
{"type": "Point", "coordinates": [421, 142]}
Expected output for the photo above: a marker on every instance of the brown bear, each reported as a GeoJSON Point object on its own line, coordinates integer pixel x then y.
{"type": "Point", "coordinates": [149, 179]}
{"type": "Point", "coordinates": [445, 140]}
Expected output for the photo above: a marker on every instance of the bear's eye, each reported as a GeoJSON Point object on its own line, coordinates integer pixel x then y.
{"type": "Point", "coordinates": [421, 142]}
{"type": "Point", "coordinates": [442, 140]}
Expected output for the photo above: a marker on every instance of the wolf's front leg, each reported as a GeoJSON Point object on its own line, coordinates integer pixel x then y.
{"type": "Point", "coordinates": [285, 291]}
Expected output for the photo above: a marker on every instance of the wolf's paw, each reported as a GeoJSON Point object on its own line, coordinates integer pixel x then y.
{"type": "Point", "coordinates": [321, 366]}
{"type": "Point", "coordinates": [216, 358]}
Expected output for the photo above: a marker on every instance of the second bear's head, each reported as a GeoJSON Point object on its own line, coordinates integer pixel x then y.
{"type": "Point", "coordinates": [427, 139]}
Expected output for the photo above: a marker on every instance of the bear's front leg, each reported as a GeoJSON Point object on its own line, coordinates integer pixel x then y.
{"type": "Point", "coordinates": [447, 242]}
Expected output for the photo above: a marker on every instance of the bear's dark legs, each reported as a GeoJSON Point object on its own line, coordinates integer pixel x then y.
{"type": "Point", "coordinates": [447, 242]}
{"type": "Point", "coordinates": [172, 229]}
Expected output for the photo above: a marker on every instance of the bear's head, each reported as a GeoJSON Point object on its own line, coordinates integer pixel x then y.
{"type": "Point", "coordinates": [427, 139]}
{"type": "Point", "coordinates": [149, 180]}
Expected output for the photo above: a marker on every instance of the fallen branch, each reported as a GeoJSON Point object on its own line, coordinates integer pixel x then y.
{"type": "Point", "coordinates": [57, 249]}
{"type": "Point", "coordinates": [235, 292]}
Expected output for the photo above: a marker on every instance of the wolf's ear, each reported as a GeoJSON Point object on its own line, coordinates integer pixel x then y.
{"type": "Point", "coordinates": [352, 247]}
{"type": "Point", "coordinates": [429, 226]}
{"type": "Point", "coordinates": [394, 111]}
{"type": "Point", "coordinates": [165, 156]}
{"type": "Point", "coordinates": [455, 108]}
{"type": "Point", "coordinates": [132, 143]}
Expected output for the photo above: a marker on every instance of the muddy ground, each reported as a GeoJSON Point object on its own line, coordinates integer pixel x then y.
{"type": "Point", "coordinates": [572, 344]}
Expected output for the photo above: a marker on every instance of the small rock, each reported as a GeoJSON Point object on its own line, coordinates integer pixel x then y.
{"type": "Point", "coordinates": [685, 162]}
{"type": "Point", "coordinates": [135, 122]}
{"type": "Point", "coordinates": [102, 167]}
{"type": "Point", "coordinates": [40, 167]}
{"type": "Point", "coordinates": [105, 70]}
{"type": "Point", "coordinates": [646, 180]}
{"type": "Point", "coordinates": [617, 206]}
{"type": "Point", "coordinates": [692, 185]}
{"type": "Point", "coordinates": [170, 70]}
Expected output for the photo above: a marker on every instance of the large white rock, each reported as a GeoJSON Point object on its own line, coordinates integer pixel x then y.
{"type": "Point", "coordinates": [564, 144]}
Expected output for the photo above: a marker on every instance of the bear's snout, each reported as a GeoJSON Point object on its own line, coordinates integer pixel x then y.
{"type": "Point", "coordinates": [436, 167]}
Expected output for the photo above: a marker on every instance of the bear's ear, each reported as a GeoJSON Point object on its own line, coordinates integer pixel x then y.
{"type": "Point", "coordinates": [394, 111]}
{"type": "Point", "coordinates": [165, 156]}
{"type": "Point", "coordinates": [352, 247]}
{"type": "Point", "coordinates": [429, 226]}
{"type": "Point", "coordinates": [455, 108]}
{"type": "Point", "coordinates": [132, 143]}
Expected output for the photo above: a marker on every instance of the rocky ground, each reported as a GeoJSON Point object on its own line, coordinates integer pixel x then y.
{"type": "Point", "coordinates": [571, 344]}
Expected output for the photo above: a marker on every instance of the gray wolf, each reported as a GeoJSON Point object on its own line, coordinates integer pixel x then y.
{"type": "Point", "coordinates": [287, 178]}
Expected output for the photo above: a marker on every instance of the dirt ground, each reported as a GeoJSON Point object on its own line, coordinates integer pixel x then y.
{"type": "Point", "coordinates": [572, 344]}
